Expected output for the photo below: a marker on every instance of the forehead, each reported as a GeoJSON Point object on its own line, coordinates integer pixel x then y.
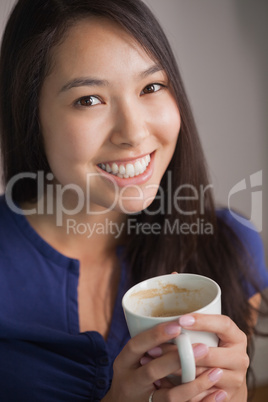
{"type": "Point", "coordinates": [98, 46]}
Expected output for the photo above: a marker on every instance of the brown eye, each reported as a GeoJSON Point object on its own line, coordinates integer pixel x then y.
{"type": "Point", "coordinates": [88, 101]}
{"type": "Point", "coordinates": [149, 89]}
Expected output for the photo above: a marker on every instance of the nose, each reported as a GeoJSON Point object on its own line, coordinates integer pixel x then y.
{"type": "Point", "coordinates": [130, 127]}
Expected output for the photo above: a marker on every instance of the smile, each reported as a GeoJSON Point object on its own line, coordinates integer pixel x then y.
{"type": "Point", "coordinates": [127, 170]}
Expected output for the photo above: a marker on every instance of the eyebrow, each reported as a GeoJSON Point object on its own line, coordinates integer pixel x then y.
{"type": "Point", "coordinates": [83, 82]}
{"type": "Point", "coordinates": [89, 82]}
{"type": "Point", "coordinates": [151, 70]}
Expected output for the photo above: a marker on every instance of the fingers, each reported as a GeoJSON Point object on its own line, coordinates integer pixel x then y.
{"type": "Point", "coordinates": [218, 396]}
{"type": "Point", "coordinates": [231, 379]}
{"type": "Point", "coordinates": [165, 360]}
{"type": "Point", "coordinates": [159, 368]}
{"type": "Point", "coordinates": [186, 392]}
{"type": "Point", "coordinates": [147, 340]}
{"type": "Point", "coordinates": [168, 363]}
{"type": "Point", "coordinates": [227, 358]}
{"type": "Point", "coordinates": [223, 326]}
{"type": "Point", "coordinates": [199, 350]}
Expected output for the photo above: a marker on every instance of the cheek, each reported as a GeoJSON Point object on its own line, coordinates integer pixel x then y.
{"type": "Point", "coordinates": [168, 123]}
{"type": "Point", "coordinates": [71, 139]}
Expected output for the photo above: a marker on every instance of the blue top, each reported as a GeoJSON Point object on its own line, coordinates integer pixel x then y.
{"type": "Point", "coordinates": [43, 355]}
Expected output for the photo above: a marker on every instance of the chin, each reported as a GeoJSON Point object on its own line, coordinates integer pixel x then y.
{"type": "Point", "coordinates": [134, 206]}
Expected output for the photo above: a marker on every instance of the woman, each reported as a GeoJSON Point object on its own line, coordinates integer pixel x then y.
{"type": "Point", "coordinates": [101, 159]}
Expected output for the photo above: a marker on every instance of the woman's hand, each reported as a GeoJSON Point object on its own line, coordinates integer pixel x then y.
{"type": "Point", "coordinates": [134, 381]}
{"type": "Point", "coordinates": [231, 355]}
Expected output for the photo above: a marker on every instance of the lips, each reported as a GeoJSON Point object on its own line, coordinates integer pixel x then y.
{"type": "Point", "coordinates": [128, 169]}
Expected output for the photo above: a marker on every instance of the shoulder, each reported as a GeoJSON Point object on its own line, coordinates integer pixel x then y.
{"type": "Point", "coordinates": [251, 240]}
{"type": "Point", "coordinates": [9, 232]}
{"type": "Point", "coordinates": [244, 230]}
{"type": "Point", "coordinates": [5, 212]}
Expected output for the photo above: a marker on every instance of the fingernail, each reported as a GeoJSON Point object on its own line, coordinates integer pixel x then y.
{"type": "Point", "coordinates": [144, 360]}
{"type": "Point", "coordinates": [186, 321]}
{"type": "Point", "coordinates": [155, 352]}
{"type": "Point", "coordinates": [215, 375]}
{"type": "Point", "coordinates": [173, 329]}
{"type": "Point", "coordinates": [220, 396]}
{"type": "Point", "coordinates": [200, 350]}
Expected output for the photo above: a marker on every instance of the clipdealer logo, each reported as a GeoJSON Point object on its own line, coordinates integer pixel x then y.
{"type": "Point", "coordinates": [46, 188]}
{"type": "Point", "coordinates": [255, 221]}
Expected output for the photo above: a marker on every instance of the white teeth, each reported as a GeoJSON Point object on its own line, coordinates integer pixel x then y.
{"type": "Point", "coordinates": [143, 164]}
{"type": "Point", "coordinates": [122, 170]}
{"type": "Point", "coordinates": [108, 168]}
{"type": "Point", "coordinates": [129, 170]}
{"type": "Point", "coordinates": [138, 168]}
{"type": "Point", "coordinates": [115, 168]}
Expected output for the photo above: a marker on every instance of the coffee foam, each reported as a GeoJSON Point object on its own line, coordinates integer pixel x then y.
{"type": "Point", "coordinates": [159, 292]}
{"type": "Point", "coordinates": [167, 300]}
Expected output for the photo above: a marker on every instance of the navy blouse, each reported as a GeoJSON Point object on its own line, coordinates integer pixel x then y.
{"type": "Point", "coordinates": [43, 356]}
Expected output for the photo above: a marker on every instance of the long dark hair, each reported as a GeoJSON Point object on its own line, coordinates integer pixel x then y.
{"type": "Point", "coordinates": [33, 29]}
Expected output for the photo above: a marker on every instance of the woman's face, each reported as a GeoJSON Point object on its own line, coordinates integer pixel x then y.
{"type": "Point", "coordinates": [109, 120]}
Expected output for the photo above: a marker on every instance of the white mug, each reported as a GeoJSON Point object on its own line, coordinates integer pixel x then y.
{"type": "Point", "coordinates": [165, 298]}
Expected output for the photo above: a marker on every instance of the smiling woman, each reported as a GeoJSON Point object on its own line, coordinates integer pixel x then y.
{"type": "Point", "coordinates": [106, 185]}
{"type": "Point", "coordinates": [94, 112]}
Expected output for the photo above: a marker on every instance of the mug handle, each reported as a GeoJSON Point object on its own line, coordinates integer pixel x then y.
{"type": "Point", "coordinates": [187, 359]}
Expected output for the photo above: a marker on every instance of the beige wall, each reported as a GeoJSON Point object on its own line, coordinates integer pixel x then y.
{"type": "Point", "coordinates": [5, 7]}
{"type": "Point", "coordinates": [221, 48]}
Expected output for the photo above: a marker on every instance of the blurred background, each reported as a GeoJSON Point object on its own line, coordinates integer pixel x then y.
{"type": "Point", "coordinates": [221, 48]}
